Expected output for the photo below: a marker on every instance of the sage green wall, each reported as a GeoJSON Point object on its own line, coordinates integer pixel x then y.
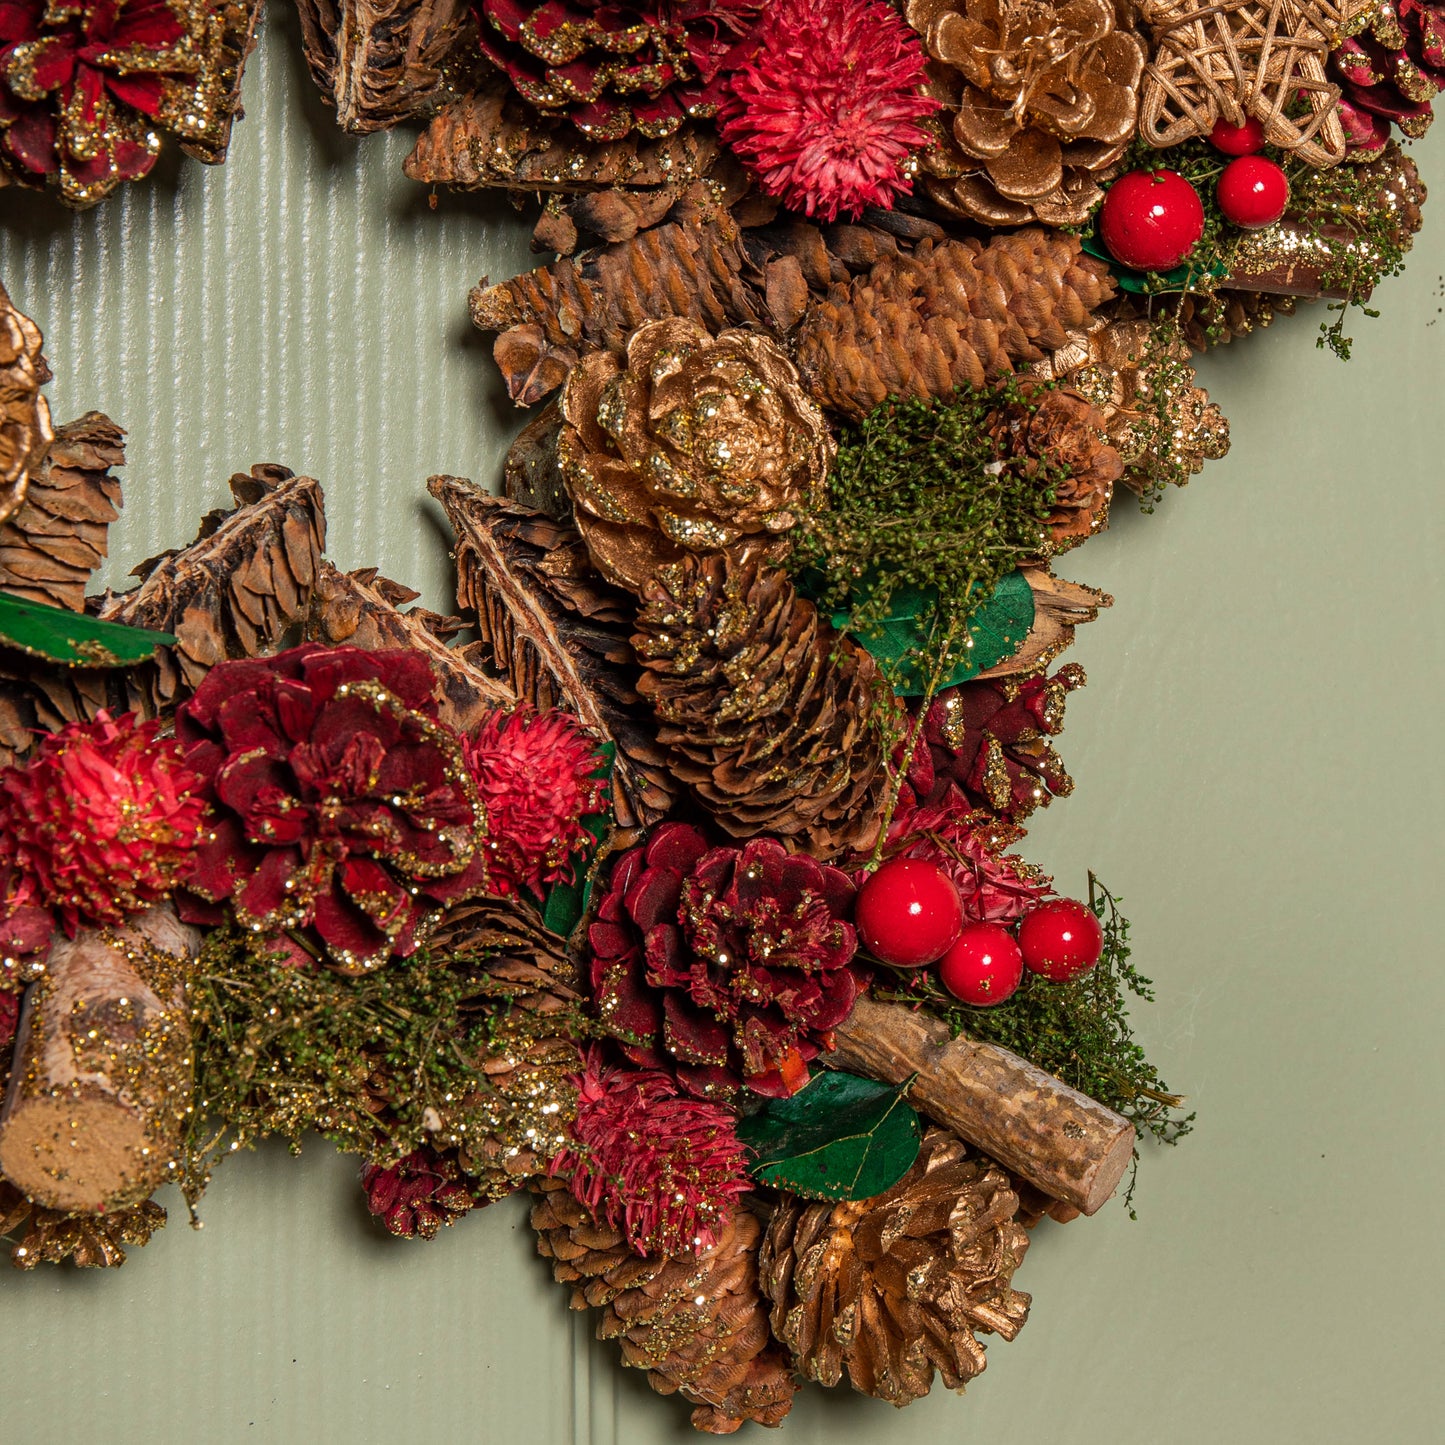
{"type": "Point", "coordinates": [1258, 776]}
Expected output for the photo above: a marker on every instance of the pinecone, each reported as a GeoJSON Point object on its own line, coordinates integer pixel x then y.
{"type": "Point", "coordinates": [1206, 320]}
{"type": "Point", "coordinates": [1389, 71]}
{"type": "Point", "coordinates": [89, 1241]}
{"type": "Point", "coordinates": [1043, 104]}
{"type": "Point", "coordinates": [697, 1325]}
{"type": "Point", "coordinates": [1163, 426]}
{"type": "Point", "coordinates": [953, 314]}
{"type": "Point", "coordinates": [417, 1195]}
{"type": "Point", "coordinates": [892, 1288]}
{"type": "Point", "coordinates": [688, 443]}
{"type": "Point", "coordinates": [774, 721]}
{"type": "Point", "coordinates": [25, 431]}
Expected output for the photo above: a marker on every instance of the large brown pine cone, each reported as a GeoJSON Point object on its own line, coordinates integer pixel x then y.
{"type": "Point", "coordinates": [688, 443]}
{"type": "Point", "coordinates": [775, 722]}
{"type": "Point", "coordinates": [891, 1289]}
{"type": "Point", "coordinates": [697, 1325]}
{"type": "Point", "coordinates": [1043, 104]}
{"type": "Point", "coordinates": [25, 432]}
{"type": "Point", "coordinates": [953, 314]}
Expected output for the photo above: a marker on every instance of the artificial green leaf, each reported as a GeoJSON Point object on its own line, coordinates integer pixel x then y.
{"type": "Point", "coordinates": [1181, 278]}
{"type": "Point", "coordinates": [567, 902]}
{"type": "Point", "coordinates": [71, 637]}
{"type": "Point", "coordinates": [997, 630]}
{"type": "Point", "coordinates": [841, 1137]}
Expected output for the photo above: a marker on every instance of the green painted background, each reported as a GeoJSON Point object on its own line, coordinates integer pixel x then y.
{"type": "Point", "coordinates": [1257, 759]}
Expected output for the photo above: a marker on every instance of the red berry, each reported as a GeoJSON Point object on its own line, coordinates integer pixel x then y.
{"type": "Point", "coordinates": [984, 967]}
{"type": "Point", "coordinates": [908, 912]}
{"type": "Point", "coordinates": [1061, 939]}
{"type": "Point", "coordinates": [1151, 220]}
{"type": "Point", "coordinates": [1237, 140]}
{"type": "Point", "coordinates": [1253, 192]}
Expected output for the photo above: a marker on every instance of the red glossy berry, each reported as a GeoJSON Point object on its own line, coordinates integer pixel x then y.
{"type": "Point", "coordinates": [908, 913]}
{"type": "Point", "coordinates": [1151, 220]}
{"type": "Point", "coordinates": [1237, 140]}
{"type": "Point", "coordinates": [983, 967]}
{"type": "Point", "coordinates": [1061, 939]}
{"type": "Point", "coordinates": [1253, 192]}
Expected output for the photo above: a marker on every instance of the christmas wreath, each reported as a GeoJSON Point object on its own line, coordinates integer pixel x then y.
{"type": "Point", "coordinates": [683, 891]}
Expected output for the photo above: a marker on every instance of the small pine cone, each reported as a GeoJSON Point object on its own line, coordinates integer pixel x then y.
{"type": "Point", "coordinates": [509, 955]}
{"type": "Point", "coordinates": [891, 1289]}
{"type": "Point", "coordinates": [418, 1194]}
{"type": "Point", "coordinates": [953, 314]}
{"type": "Point", "coordinates": [25, 432]}
{"type": "Point", "coordinates": [697, 1324]}
{"type": "Point", "coordinates": [777, 723]}
{"type": "Point", "coordinates": [1209, 320]}
{"type": "Point", "coordinates": [89, 1241]}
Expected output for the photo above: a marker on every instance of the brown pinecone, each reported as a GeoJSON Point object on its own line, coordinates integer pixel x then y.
{"type": "Point", "coordinates": [953, 314]}
{"type": "Point", "coordinates": [777, 723]}
{"type": "Point", "coordinates": [89, 1241]}
{"type": "Point", "coordinates": [688, 443]}
{"type": "Point", "coordinates": [1042, 105]}
{"type": "Point", "coordinates": [1207, 320]}
{"type": "Point", "coordinates": [1138, 375]}
{"type": "Point", "coordinates": [25, 432]}
{"type": "Point", "coordinates": [697, 1325]}
{"type": "Point", "coordinates": [892, 1288]}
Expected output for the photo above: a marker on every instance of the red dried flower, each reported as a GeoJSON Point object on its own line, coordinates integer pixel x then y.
{"type": "Point", "coordinates": [9, 1020]}
{"type": "Point", "coordinates": [827, 109]}
{"type": "Point", "coordinates": [86, 84]}
{"type": "Point", "coordinates": [103, 819]}
{"type": "Point", "coordinates": [417, 1195]}
{"type": "Point", "coordinates": [665, 1169]}
{"type": "Point", "coordinates": [26, 928]}
{"type": "Point", "coordinates": [340, 801]}
{"type": "Point", "coordinates": [727, 966]}
{"type": "Point", "coordinates": [535, 779]}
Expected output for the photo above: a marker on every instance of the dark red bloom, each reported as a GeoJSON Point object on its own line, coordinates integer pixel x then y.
{"type": "Point", "coordinates": [728, 966]}
{"type": "Point", "coordinates": [414, 1197]}
{"type": "Point", "coordinates": [26, 928]}
{"type": "Point", "coordinates": [1390, 72]}
{"type": "Point", "coordinates": [665, 1169]}
{"type": "Point", "coordinates": [9, 1018]}
{"type": "Point", "coordinates": [340, 801]}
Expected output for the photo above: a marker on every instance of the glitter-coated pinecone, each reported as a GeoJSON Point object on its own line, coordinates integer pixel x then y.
{"type": "Point", "coordinates": [1209, 320]}
{"type": "Point", "coordinates": [1041, 100]}
{"type": "Point", "coordinates": [25, 431]}
{"type": "Point", "coordinates": [88, 1241]}
{"type": "Point", "coordinates": [1163, 426]}
{"type": "Point", "coordinates": [688, 443]}
{"type": "Point", "coordinates": [726, 966]}
{"type": "Point", "coordinates": [415, 1196]}
{"type": "Point", "coordinates": [953, 314]}
{"type": "Point", "coordinates": [1388, 72]}
{"type": "Point", "coordinates": [989, 739]}
{"type": "Point", "coordinates": [619, 65]}
{"type": "Point", "coordinates": [696, 1323]}
{"type": "Point", "coordinates": [775, 722]}
{"type": "Point", "coordinates": [891, 1289]}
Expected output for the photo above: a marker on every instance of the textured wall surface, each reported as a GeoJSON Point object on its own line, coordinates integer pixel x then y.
{"type": "Point", "coordinates": [1257, 776]}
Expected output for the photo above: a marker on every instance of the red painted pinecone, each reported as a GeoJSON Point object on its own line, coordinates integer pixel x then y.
{"type": "Point", "coordinates": [417, 1195]}
{"type": "Point", "coordinates": [727, 966]}
{"type": "Point", "coordinates": [612, 68]}
{"type": "Point", "coordinates": [1390, 72]}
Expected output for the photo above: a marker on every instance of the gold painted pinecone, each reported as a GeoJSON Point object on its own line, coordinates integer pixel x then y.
{"type": "Point", "coordinates": [697, 1325]}
{"type": "Point", "coordinates": [891, 1289]}
{"type": "Point", "coordinates": [688, 443]}
{"type": "Point", "coordinates": [89, 1241]}
{"type": "Point", "coordinates": [1159, 420]}
{"type": "Point", "coordinates": [1042, 100]}
{"type": "Point", "coordinates": [775, 722]}
{"type": "Point", "coordinates": [25, 433]}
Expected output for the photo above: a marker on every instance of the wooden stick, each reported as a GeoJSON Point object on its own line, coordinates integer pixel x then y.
{"type": "Point", "coordinates": [1060, 1140]}
{"type": "Point", "coordinates": [101, 1084]}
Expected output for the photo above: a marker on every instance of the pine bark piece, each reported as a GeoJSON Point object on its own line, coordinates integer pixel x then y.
{"type": "Point", "coordinates": [1059, 1140]}
{"type": "Point", "coordinates": [101, 1084]}
{"type": "Point", "coordinates": [52, 545]}
{"type": "Point", "coordinates": [383, 61]}
{"type": "Point", "coordinates": [697, 1325]}
{"type": "Point", "coordinates": [557, 633]}
{"type": "Point", "coordinates": [1060, 606]}
{"type": "Point", "coordinates": [240, 19]}
{"type": "Point", "coordinates": [363, 609]}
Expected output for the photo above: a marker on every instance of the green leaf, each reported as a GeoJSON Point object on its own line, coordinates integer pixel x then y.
{"type": "Point", "coordinates": [71, 637]}
{"type": "Point", "coordinates": [1181, 278]}
{"type": "Point", "coordinates": [842, 1137]}
{"type": "Point", "coordinates": [567, 903]}
{"type": "Point", "coordinates": [997, 630]}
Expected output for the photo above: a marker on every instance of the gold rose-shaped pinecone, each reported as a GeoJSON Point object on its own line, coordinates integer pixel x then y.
{"type": "Point", "coordinates": [25, 433]}
{"type": "Point", "coordinates": [890, 1289]}
{"type": "Point", "coordinates": [688, 443]}
{"type": "Point", "coordinates": [1042, 100]}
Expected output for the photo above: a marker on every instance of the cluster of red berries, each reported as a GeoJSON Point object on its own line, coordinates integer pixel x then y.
{"type": "Point", "coordinates": [1152, 220]}
{"type": "Point", "coordinates": [909, 915]}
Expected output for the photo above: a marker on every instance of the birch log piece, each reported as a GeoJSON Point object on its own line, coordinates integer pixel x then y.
{"type": "Point", "coordinates": [101, 1084]}
{"type": "Point", "coordinates": [1061, 1141]}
